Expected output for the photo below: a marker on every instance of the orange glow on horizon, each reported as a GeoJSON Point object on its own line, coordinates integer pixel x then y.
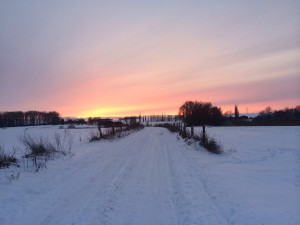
{"type": "Point", "coordinates": [119, 112]}
{"type": "Point", "coordinates": [159, 109]}
{"type": "Point", "coordinates": [258, 107]}
{"type": "Point", "coordinates": [106, 112]}
{"type": "Point", "coordinates": [135, 94]}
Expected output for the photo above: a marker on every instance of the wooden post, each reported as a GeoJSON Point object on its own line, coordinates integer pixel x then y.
{"type": "Point", "coordinates": [192, 130]}
{"type": "Point", "coordinates": [203, 135]}
{"type": "Point", "coordinates": [184, 130]}
{"type": "Point", "coordinates": [99, 128]}
{"type": "Point", "coordinates": [113, 129]}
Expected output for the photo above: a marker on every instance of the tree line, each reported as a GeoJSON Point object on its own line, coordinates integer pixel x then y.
{"type": "Point", "coordinates": [196, 113]}
{"type": "Point", "coordinates": [279, 116]}
{"type": "Point", "coordinates": [29, 118]}
{"type": "Point", "coordinates": [192, 113]}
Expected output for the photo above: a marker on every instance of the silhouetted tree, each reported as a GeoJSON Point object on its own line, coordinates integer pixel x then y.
{"type": "Point", "coordinates": [284, 115]}
{"type": "Point", "coordinates": [196, 113]}
{"type": "Point", "coordinates": [216, 116]}
{"type": "Point", "coordinates": [236, 112]}
{"type": "Point", "coordinates": [267, 111]}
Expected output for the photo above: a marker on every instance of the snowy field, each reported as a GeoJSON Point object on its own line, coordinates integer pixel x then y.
{"type": "Point", "coordinates": [152, 177]}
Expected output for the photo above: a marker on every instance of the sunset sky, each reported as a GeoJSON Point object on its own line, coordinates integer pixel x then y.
{"type": "Point", "coordinates": [116, 58]}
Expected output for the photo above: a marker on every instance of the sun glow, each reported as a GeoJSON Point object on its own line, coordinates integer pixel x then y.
{"type": "Point", "coordinates": [108, 112]}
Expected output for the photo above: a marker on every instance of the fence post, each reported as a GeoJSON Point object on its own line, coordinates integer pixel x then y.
{"type": "Point", "coordinates": [100, 132]}
{"type": "Point", "coordinates": [113, 129]}
{"type": "Point", "coordinates": [203, 135]}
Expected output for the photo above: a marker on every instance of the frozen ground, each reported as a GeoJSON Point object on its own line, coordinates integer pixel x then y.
{"type": "Point", "coordinates": [153, 177]}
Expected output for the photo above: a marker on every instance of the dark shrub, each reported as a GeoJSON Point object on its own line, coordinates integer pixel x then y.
{"type": "Point", "coordinates": [6, 159]}
{"type": "Point", "coordinates": [210, 144]}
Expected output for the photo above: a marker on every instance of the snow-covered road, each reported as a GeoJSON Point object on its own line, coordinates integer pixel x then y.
{"type": "Point", "coordinates": [149, 177]}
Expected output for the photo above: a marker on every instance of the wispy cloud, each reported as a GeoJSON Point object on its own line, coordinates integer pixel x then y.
{"type": "Point", "coordinates": [78, 57]}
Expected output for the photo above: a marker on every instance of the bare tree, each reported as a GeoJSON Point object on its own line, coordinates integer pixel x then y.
{"type": "Point", "coordinates": [196, 113]}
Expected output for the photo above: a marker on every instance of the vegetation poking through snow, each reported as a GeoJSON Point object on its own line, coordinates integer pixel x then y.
{"type": "Point", "coordinates": [210, 144]}
{"type": "Point", "coordinates": [14, 175]}
{"type": "Point", "coordinates": [113, 132]}
{"type": "Point", "coordinates": [6, 159]}
{"type": "Point", "coordinates": [42, 146]}
{"type": "Point", "coordinates": [64, 143]}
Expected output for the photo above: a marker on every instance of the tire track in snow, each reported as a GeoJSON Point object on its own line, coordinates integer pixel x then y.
{"type": "Point", "coordinates": [190, 195]}
{"type": "Point", "coordinates": [72, 194]}
{"type": "Point", "coordinates": [199, 175]}
{"type": "Point", "coordinates": [144, 196]}
{"type": "Point", "coordinates": [144, 178]}
{"type": "Point", "coordinates": [155, 205]}
{"type": "Point", "coordinates": [102, 210]}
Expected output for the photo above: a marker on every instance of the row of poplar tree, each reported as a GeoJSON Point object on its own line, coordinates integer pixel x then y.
{"type": "Point", "coordinates": [29, 118]}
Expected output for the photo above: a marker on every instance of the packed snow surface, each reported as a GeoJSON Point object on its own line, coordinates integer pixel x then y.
{"type": "Point", "coordinates": [153, 177]}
